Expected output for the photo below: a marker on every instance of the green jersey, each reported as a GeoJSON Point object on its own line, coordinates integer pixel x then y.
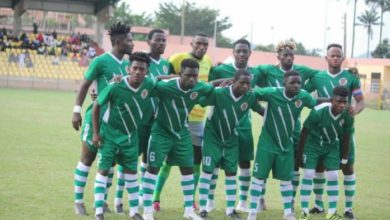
{"type": "Point", "coordinates": [123, 115]}
{"type": "Point", "coordinates": [324, 83]}
{"type": "Point", "coordinates": [103, 68]}
{"type": "Point", "coordinates": [149, 107]}
{"type": "Point", "coordinates": [280, 117]}
{"type": "Point", "coordinates": [273, 75]}
{"type": "Point", "coordinates": [226, 111]}
{"type": "Point", "coordinates": [228, 71]}
{"type": "Point", "coordinates": [175, 104]}
{"type": "Point", "coordinates": [325, 129]}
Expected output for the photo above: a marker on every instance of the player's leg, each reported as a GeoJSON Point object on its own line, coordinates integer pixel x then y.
{"type": "Point", "coordinates": [143, 140]}
{"type": "Point", "coordinates": [332, 164]}
{"type": "Point", "coordinates": [212, 153]}
{"type": "Point", "coordinates": [160, 182]}
{"type": "Point", "coordinates": [311, 158]}
{"type": "Point", "coordinates": [283, 170]}
{"type": "Point", "coordinates": [318, 189]}
{"type": "Point", "coordinates": [246, 154]}
{"type": "Point", "coordinates": [128, 159]}
{"type": "Point", "coordinates": [196, 129]}
{"type": "Point", "coordinates": [262, 165]}
{"type": "Point", "coordinates": [159, 147]}
{"type": "Point", "coordinates": [213, 185]}
{"type": "Point", "coordinates": [106, 156]}
{"type": "Point", "coordinates": [120, 185]}
{"type": "Point", "coordinates": [88, 155]}
{"type": "Point", "coordinates": [349, 181]}
{"type": "Point", "coordinates": [229, 164]}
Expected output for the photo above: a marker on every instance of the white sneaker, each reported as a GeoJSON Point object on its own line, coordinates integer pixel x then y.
{"type": "Point", "coordinates": [290, 216]}
{"type": "Point", "coordinates": [190, 214]}
{"type": "Point", "coordinates": [252, 216]}
{"type": "Point", "coordinates": [210, 205]}
{"type": "Point", "coordinates": [148, 216]}
{"type": "Point", "coordinates": [242, 207]}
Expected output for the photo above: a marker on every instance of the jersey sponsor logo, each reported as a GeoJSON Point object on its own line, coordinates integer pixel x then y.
{"type": "Point", "coordinates": [193, 95]}
{"type": "Point", "coordinates": [343, 81]}
{"type": "Point", "coordinates": [165, 69]}
{"type": "Point", "coordinates": [144, 93]}
{"type": "Point", "coordinates": [298, 103]}
{"type": "Point", "coordinates": [341, 122]}
{"type": "Point", "coordinates": [244, 106]}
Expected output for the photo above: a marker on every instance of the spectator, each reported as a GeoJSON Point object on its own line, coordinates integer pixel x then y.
{"type": "Point", "coordinates": [21, 60]}
{"type": "Point", "coordinates": [41, 50]}
{"type": "Point", "coordinates": [54, 34]}
{"type": "Point", "coordinates": [91, 52]}
{"type": "Point", "coordinates": [35, 27]}
{"type": "Point", "coordinates": [12, 58]}
{"type": "Point", "coordinates": [29, 63]}
{"type": "Point", "coordinates": [55, 60]}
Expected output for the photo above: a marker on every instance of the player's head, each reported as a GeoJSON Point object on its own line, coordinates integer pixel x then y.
{"type": "Point", "coordinates": [189, 73]}
{"type": "Point", "coordinates": [285, 50]}
{"type": "Point", "coordinates": [138, 68]}
{"type": "Point", "coordinates": [199, 45]}
{"type": "Point", "coordinates": [292, 82]}
{"type": "Point", "coordinates": [157, 40]}
{"type": "Point", "coordinates": [334, 55]}
{"type": "Point", "coordinates": [121, 38]}
{"type": "Point", "coordinates": [339, 99]}
{"type": "Point", "coordinates": [241, 51]}
{"type": "Point", "coordinates": [241, 82]}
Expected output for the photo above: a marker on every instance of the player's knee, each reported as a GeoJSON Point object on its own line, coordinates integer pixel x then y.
{"type": "Point", "coordinates": [308, 173]}
{"type": "Point", "coordinates": [348, 169]}
{"type": "Point", "coordinates": [230, 174]}
{"type": "Point", "coordinates": [153, 170]}
{"type": "Point", "coordinates": [320, 168]}
{"type": "Point", "coordinates": [103, 172]}
{"type": "Point", "coordinates": [186, 170]}
{"type": "Point", "coordinates": [245, 164]}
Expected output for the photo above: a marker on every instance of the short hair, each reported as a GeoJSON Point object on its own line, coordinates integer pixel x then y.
{"type": "Point", "coordinates": [201, 34]}
{"type": "Point", "coordinates": [152, 32]}
{"type": "Point", "coordinates": [334, 45]}
{"type": "Point", "coordinates": [118, 30]}
{"type": "Point", "coordinates": [242, 41]}
{"type": "Point", "coordinates": [341, 91]}
{"type": "Point", "coordinates": [284, 45]}
{"type": "Point", "coordinates": [291, 73]}
{"type": "Point", "coordinates": [240, 73]}
{"type": "Point", "coordinates": [190, 63]}
{"type": "Point", "coordinates": [141, 57]}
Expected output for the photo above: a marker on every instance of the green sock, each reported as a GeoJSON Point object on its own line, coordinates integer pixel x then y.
{"type": "Point", "coordinates": [161, 178]}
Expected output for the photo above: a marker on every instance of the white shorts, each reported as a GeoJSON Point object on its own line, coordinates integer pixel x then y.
{"type": "Point", "coordinates": [196, 129]}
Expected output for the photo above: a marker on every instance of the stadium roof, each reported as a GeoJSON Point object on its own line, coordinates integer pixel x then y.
{"type": "Point", "coordinates": [69, 6]}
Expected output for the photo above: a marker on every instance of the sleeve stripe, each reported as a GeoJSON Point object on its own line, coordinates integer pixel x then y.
{"type": "Point", "coordinates": [357, 91]}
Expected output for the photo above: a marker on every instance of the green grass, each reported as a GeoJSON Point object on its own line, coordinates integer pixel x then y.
{"type": "Point", "coordinates": [39, 151]}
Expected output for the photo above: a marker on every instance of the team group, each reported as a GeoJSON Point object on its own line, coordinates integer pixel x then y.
{"type": "Point", "coordinates": [147, 105]}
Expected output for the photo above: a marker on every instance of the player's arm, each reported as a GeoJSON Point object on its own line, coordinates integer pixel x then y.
{"type": "Point", "coordinates": [347, 131]}
{"type": "Point", "coordinates": [359, 106]}
{"type": "Point", "coordinates": [222, 82]}
{"type": "Point", "coordinates": [257, 107]}
{"type": "Point", "coordinates": [264, 93]}
{"type": "Point", "coordinates": [301, 146]}
{"type": "Point", "coordinates": [90, 75]}
{"type": "Point", "coordinates": [102, 99]}
{"type": "Point", "coordinates": [162, 77]}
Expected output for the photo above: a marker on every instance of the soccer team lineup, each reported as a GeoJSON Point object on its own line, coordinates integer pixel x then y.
{"type": "Point", "coordinates": [150, 114]}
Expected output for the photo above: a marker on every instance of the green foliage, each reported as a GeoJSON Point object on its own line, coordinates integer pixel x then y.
{"type": "Point", "coordinates": [300, 49]}
{"type": "Point", "coordinates": [122, 13]}
{"type": "Point", "coordinates": [368, 19]}
{"type": "Point", "coordinates": [382, 50]}
{"type": "Point", "coordinates": [266, 48]}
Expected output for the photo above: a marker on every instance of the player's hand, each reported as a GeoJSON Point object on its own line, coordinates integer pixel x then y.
{"type": "Point", "coordinates": [226, 82]}
{"type": "Point", "coordinates": [354, 71]}
{"type": "Point", "coordinates": [351, 110]}
{"type": "Point", "coordinates": [116, 78]}
{"type": "Point", "coordinates": [76, 120]}
{"type": "Point", "coordinates": [96, 140]}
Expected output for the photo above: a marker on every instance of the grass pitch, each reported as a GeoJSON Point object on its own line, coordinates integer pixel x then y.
{"type": "Point", "coordinates": [40, 149]}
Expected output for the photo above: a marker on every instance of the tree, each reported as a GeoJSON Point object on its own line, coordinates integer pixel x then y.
{"type": "Point", "coordinates": [384, 6]}
{"type": "Point", "coordinates": [122, 13]}
{"type": "Point", "coordinates": [353, 27]}
{"type": "Point", "coordinates": [382, 50]}
{"type": "Point", "coordinates": [369, 19]}
{"type": "Point", "coordinates": [266, 48]}
{"type": "Point", "coordinates": [197, 19]}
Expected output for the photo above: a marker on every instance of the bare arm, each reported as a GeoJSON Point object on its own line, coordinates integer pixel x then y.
{"type": "Point", "coordinates": [222, 82]}
{"type": "Point", "coordinates": [76, 118]}
{"type": "Point", "coordinates": [95, 121]}
{"type": "Point", "coordinates": [345, 148]}
{"type": "Point", "coordinates": [301, 145]}
{"type": "Point", "coordinates": [359, 106]}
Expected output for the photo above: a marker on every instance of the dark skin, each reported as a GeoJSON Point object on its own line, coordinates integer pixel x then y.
{"type": "Point", "coordinates": [199, 46]}
{"type": "Point", "coordinates": [241, 53]}
{"type": "Point", "coordinates": [335, 58]}
{"type": "Point", "coordinates": [157, 45]}
{"type": "Point", "coordinates": [286, 59]}
{"type": "Point", "coordinates": [121, 47]}
{"type": "Point", "coordinates": [137, 72]}
{"type": "Point", "coordinates": [339, 104]}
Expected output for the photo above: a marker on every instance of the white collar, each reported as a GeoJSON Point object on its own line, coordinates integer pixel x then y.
{"type": "Point", "coordinates": [236, 99]}
{"type": "Point", "coordinates": [331, 114]}
{"type": "Point", "coordinates": [178, 86]}
{"type": "Point", "coordinates": [285, 96]}
{"type": "Point", "coordinates": [128, 85]}
{"type": "Point", "coordinates": [334, 75]}
{"type": "Point", "coordinates": [155, 61]}
{"type": "Point", "coordinates": [236, 68]}
{"type": "Point", "coordinates": [114, 57]}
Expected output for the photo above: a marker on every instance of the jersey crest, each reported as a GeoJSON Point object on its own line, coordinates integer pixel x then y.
{"type": "Point", "coordinates": [193, 95]}
{"type": "Point", "coordinates": [144, 93]}
{"type": "Point", "coordinates": [298, 103]}
{"type": "Point", "coordinates": [165, 69]}
{"type": "Point", "coordinates": [244, 106]}
{"type": "Point", "coordinates": [343, 81]}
